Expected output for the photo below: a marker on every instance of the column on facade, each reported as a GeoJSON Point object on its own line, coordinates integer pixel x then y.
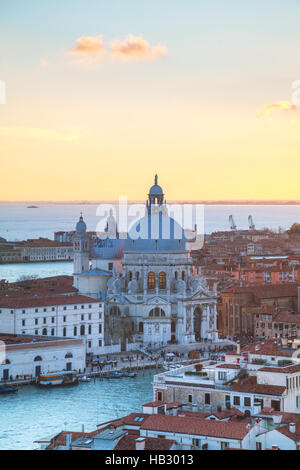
{"type": "Point", "coordinates": [145, 280]}
{"type": "Point", "coordinates": [168, 274]}
{"type": "Point", "coordinates": [205, 320]}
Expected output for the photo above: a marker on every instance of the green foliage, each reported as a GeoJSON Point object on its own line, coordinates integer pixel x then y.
{"type": "Point", "coordinates": [196, 372]}
{"type": "Point", "coordinates": [284, 362]}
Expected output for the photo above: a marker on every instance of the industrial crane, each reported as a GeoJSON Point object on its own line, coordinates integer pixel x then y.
{"type": "Point", "coordinates": [251, 223]}
{"type": "Point", "coordinates": [232, 224]}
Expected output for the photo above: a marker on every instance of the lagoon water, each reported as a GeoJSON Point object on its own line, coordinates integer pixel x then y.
{"type": "Point", "coordinates": [17, 222]}
{"type": "Point", "coordinates": [13, 272]}
{"type": "Point", "coordinates": [34, 413]}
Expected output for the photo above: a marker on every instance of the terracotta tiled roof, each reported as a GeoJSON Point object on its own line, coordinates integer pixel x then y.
{"type": "Point", "coordinates": [268, 347]}
{"type": "Point", "coordinates": [42, 242]}
{"type": "Point", "coordinates": [193, 426]}
{"type": "Point", "coordinates": [44, 301]}
{"type": "Point", "coordinates": [264, 291]}
{"type": "Point", "coordinates": [250, 385]}
{"type": "Point", "coordinates": [132, 419]}
{"type": "Point", "coordinates": [229, 366]}
{"type": "Point", "coordinates": [49, 285]}
{"type": "Point", "coordinates": [154, 404]}
{"type": "Point", "coordinates": [128, 442]}
{"type": "Point", "coordinates": [282, 370]}
{"type": "Point", "coordinates": [295, 436]}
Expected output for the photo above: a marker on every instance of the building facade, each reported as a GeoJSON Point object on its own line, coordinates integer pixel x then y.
{"type": "Point", "coordinates": [152, 292]}
{"type": "Point", "coordinates": [31, 356]}
{"type": "Point", "coordinates": [66, 316]}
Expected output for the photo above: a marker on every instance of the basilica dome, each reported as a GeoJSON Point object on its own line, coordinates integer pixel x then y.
{"type": "Point", "coordinates": [156, 233]}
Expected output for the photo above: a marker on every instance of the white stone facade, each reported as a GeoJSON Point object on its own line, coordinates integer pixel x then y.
{"type": "Point", "coordinates": [31, 357]}
{"type": "Point", "coordinates": [58, 316]}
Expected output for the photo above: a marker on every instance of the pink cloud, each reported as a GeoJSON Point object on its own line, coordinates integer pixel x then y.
{"type": "Point", "coordinates": [135, 48]}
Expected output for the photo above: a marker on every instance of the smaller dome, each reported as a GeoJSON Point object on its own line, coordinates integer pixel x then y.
{"type": "Point", "coordinates": [81, 226]}
{"type": "Point", "coordinates": [156, 190]}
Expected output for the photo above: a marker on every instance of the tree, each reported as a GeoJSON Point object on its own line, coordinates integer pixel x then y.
{"type": "Point", "coordinates": [295, 228]}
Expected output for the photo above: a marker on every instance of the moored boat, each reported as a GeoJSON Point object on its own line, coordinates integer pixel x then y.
{"type": "Point", "coordinates": [129, 374]}
{"type": "Point", "coordinates": [113, 375]}
{"type": "Point", "coordinates": [84, 378]}
{"type": "Point", "coordinates": [4, 389]}
{"type": "Point", "coordinates": [54, 379]}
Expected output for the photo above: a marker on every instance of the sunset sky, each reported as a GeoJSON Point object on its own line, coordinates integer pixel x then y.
{"type": "Point", "coordinates": [103, 94]}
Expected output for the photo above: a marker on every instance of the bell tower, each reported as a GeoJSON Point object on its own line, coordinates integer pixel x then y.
{"type": "Point", "coordinates": [81, 247]}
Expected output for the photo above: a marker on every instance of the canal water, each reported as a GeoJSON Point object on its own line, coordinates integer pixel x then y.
{"type": "Point", "coordinates": [35, 413]}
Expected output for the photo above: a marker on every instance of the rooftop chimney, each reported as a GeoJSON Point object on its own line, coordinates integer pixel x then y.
{"type": "Point", "coordinates": [140, 443]}
{"type": "Point", "coordinates": [256, 407]}
{"type": "Point", "coordinates": [277, 419]}
{"type": "Point", "coordinates": [175, 410]}
{"type": "Point", "coordinates": [292, 427]}
{"type": "Point", "coordinates": [68, 441]}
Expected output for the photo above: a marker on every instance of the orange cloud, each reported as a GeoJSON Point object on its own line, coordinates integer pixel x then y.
{"type": "Point", "coordinates": [88, 49]}
{"type": "Point", "coordinates": [91, 49]}
{"type": "Point", "coordinates": [134, 48]}
{"type": "Point", "coordinates": [279, 105]}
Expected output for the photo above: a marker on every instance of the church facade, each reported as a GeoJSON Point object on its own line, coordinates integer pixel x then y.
{"type": "Point", "coordinates": [152, 292]}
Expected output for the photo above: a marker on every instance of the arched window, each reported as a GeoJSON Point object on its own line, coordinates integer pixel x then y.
{"type": "Point", "coordinates": [129, 276]}
{"type": "Point", "coordinates": [137, 275]}
{"type": "Point", "coordinates": [141, 327]}
{"type": "Point", "coordinates": [162, 280]}
{"type": "Point", "coordinates": [44, 332]}
{"type": "Point", "coordinates": [197, 323]}
{"type": "Point", "coordinates": [82, 330]}
{"type": "Point", "coordinates": [75, 330]}
{"type": "Point", "coordinates": [183, 275]}
{"type": "Point", "coordinates": [176, 275]}
{"type": "Point", "coordinates": [115, 311]}
{"type": "Point", "coordinates": [38, 358]}
{"type": "Point", "coordinates": [151, 280]}
{"type": "Point", "coordinates": [157, 312]}
{"type": "Point", "coordinates": [90, 329]}
{"type": "Point", "coordinates": [65, 331]}
{"type": "Point", "coordinates": [68, 355]}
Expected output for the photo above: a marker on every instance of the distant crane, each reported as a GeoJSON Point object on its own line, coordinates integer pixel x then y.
{"type": "Point", "coordinates": [251, 223]}
{"type": "Point", "coordinates": [232, 224]}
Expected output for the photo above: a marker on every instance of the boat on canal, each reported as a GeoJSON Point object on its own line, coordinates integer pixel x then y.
{"type": "Point", "coordinates": [129, 374]}
{"type": "Point", "coordinates": [5, 389]}
{"type": "Point", "coordinates": [54, 379]}
{"type": "Point", "coordinates": [113, 375]}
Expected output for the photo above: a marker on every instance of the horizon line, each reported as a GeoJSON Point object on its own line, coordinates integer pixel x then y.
{"type": "Point", "coordinates": [181, 201]}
